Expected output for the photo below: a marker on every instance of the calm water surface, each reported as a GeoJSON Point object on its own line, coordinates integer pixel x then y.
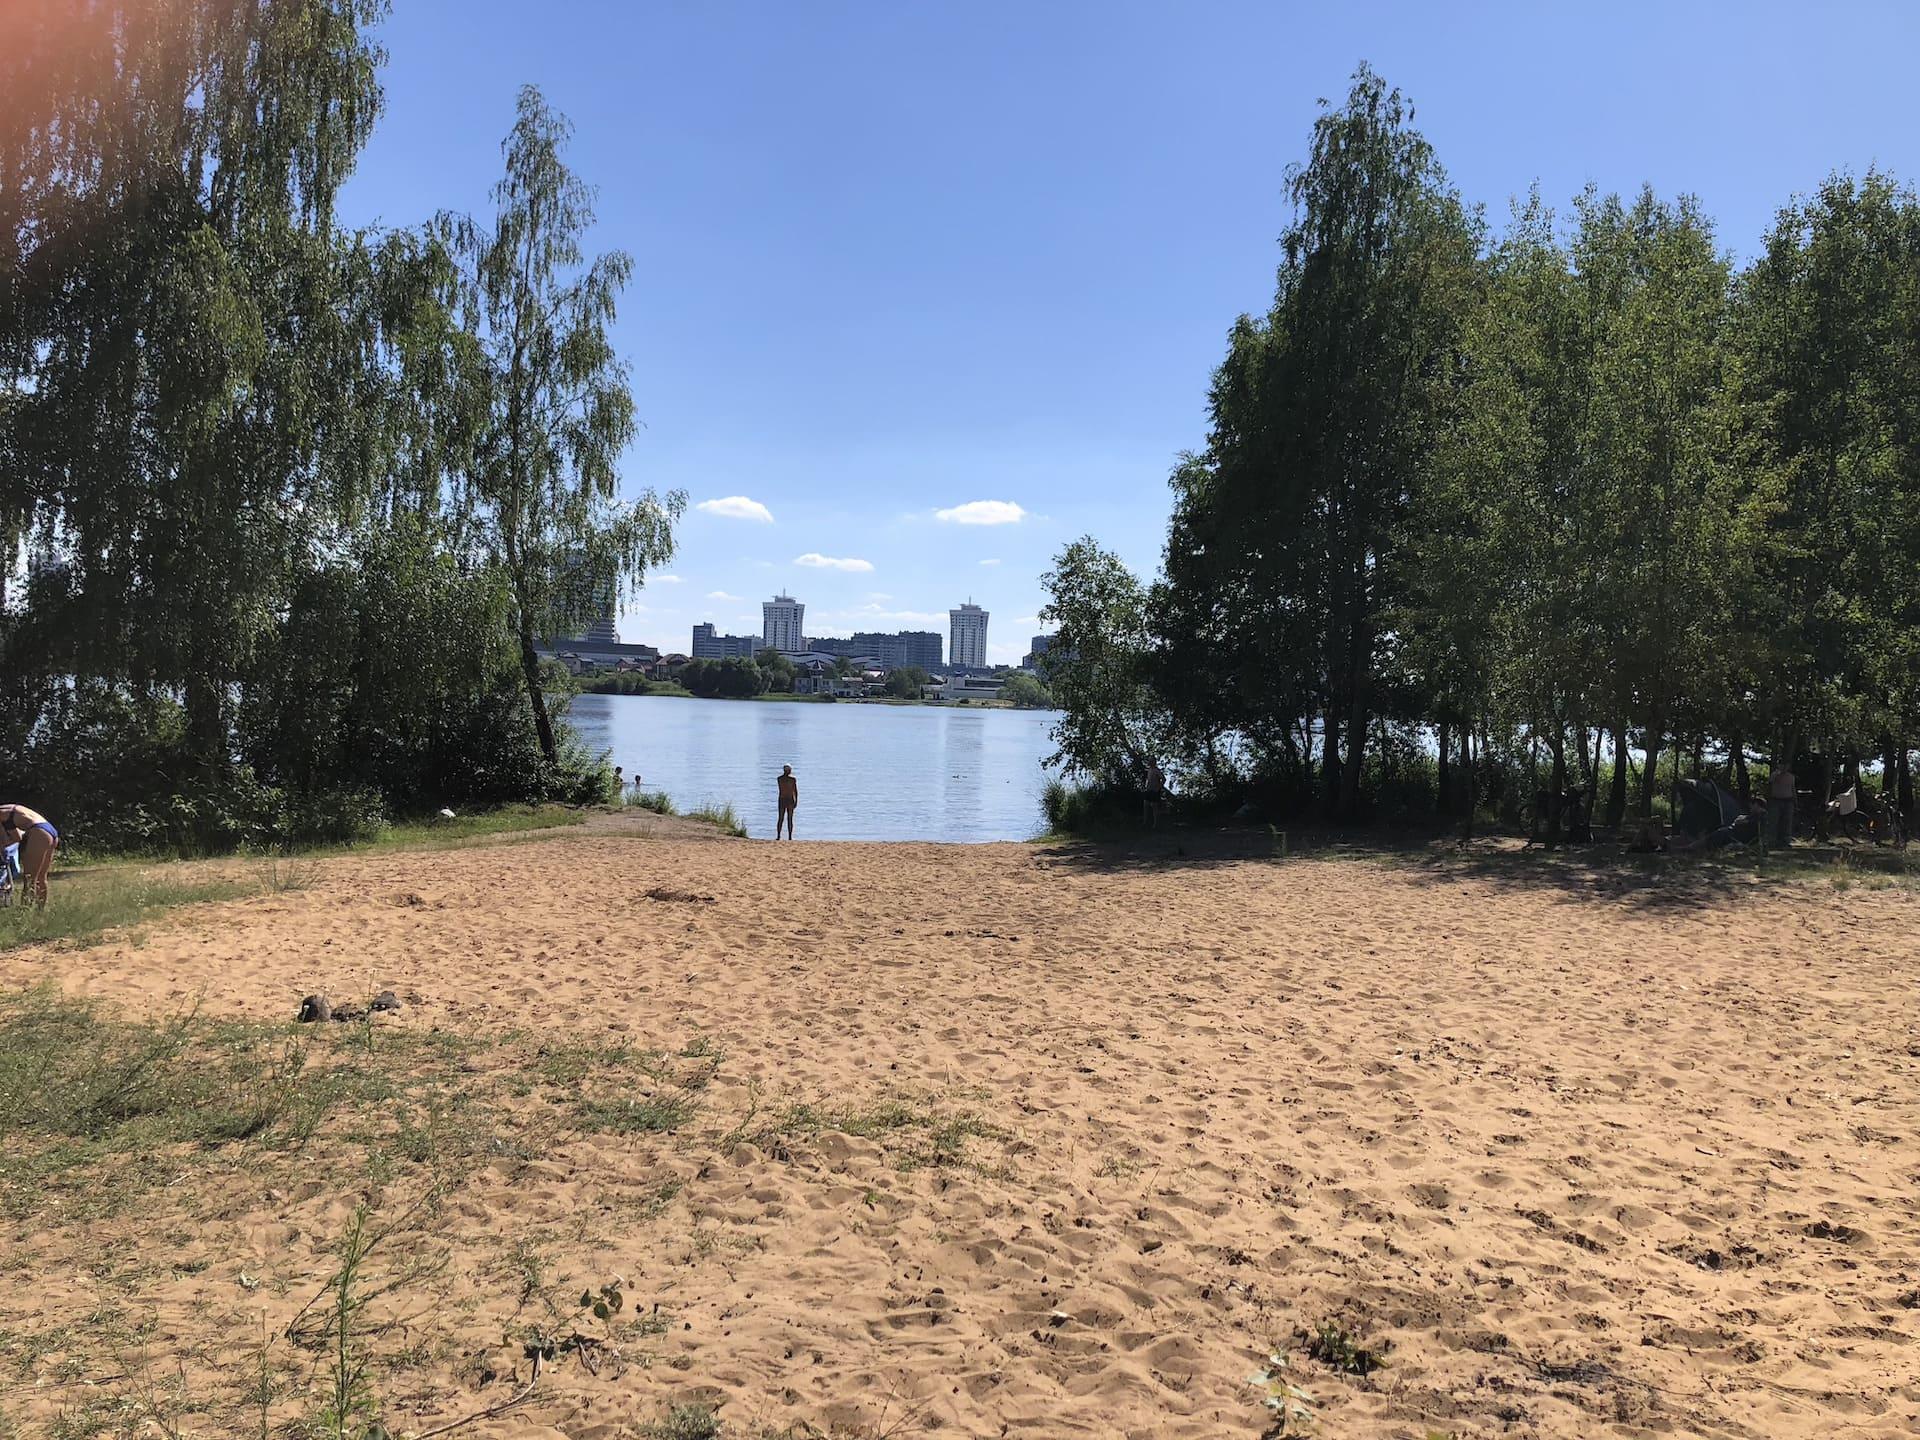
{"type": "Point", "coordinates": [867, 772]}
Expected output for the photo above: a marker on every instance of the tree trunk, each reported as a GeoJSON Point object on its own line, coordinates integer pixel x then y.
{"type": "Point", "coordinates": [1443, 800]}
{"type": "Point", "coordinates": [1558, 744]}
{"type": "Point", "coordinates": [1617, 790]}
{"type": "Point", "coordinates": [536, 697]}
{"type": "Point", "coordinates": [1888, 769]}
{"type": "Point", "coordinates": [1905, 789]}
{"type": "Point", "coordinates": [1649, 776]}
{"type": "Point", "coordinates": [1742, 782]}
{"type": "Point", "coordinates": [1357, 723]}
{"type": "Point", "coordinates": [1822, 792]}
{"type": "Point", "coordinates": [1330, 756]}
{"type": "Point", "coordinates": [1468, 755]}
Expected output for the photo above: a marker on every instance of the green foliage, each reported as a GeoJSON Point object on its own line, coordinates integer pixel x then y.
{"type": "Point", "coordinates": [1336, 1349]}
{"type": "Point", "coordinates": [352, 1410]}
{"type": "Point", "coordinates": [617, 683]}
{"type": "Point", "coordinates": [734, 678]}
{"type": "Point", "coordinates": [723, 816]}
{"type": "Point", "coordinates": [684, 1422]}
{"type": "Point", "coordinates": [1480, 516]}
{"type": "Point", "coordinates": [1289, 1406]}
{"type": "Point", "coordinates": [777, 668]}
{"type": "Point", "coordinates": [290, 500]}
{"type": "Point", "coordinates": [658, 801]}
{"type": "Point", "coordinates": [69, 1072]}
{"type": "Point", "coordinates": [109, 901]}
{"type": "Point", "coordinates": [1099, 667]}
{"type": "Point", "coordinates": [1089, 809]}
{"type": "Point", "coordinates": [557, 410]}
{"type": "Point", "coordinates": [1025, 692]}
{"type": "Point", "coordinates": [905, 683]}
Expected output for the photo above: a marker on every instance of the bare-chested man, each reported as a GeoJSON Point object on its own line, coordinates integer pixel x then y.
{"type": "Point", "coordinates": [789, 788]}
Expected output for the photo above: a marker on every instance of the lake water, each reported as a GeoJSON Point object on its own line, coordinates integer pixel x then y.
{"type": "Point", "coordinates": [866, 772]}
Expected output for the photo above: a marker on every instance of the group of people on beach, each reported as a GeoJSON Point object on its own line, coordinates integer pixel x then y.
{"type": "Point", "coordinates": [786, 796]}
{"type": "Point", "coordinates": [36, 840]}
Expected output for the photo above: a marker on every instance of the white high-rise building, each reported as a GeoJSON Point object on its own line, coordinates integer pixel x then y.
{"type": "Point", "coordinates": [783, 623]}
{"type": "Point", "coordinates": [967, 643]}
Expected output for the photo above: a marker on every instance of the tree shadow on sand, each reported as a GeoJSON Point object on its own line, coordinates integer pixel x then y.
{"type": "Point", "coordinates": [1600, 873]}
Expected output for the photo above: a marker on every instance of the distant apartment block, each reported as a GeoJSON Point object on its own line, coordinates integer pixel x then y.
{"type": "Point", "coordinates": [708, 645]}
{"type": "Point", "coordinates": [783, 623]}
{"type": "Point", "coordinates": [1037, 651]}
{"type": "Point", "coordinates": [605, 630]}
{"type": "Point", "coordinates": [908, 647]}
{"type": "Point", "coordinates": [968, 624]}
{"type": "Point", "coordinates": [891, 652]}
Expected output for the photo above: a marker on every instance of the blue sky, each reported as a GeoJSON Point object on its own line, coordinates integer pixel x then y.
{"type": "Point", "coordinates": [892, 259]}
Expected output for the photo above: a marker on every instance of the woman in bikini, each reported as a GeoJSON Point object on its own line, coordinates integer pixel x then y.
{"type": "Point", "coordinates": [37, 839]}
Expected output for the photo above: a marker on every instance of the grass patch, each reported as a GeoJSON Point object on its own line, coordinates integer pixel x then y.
{"type": "Point", "coordinates": [723, 816]}
{"type": "Point", "coordinates": [917, 1138]}
{"type": "Point", "coordinates": [651, 1115]}
{"type": "Point", "coordinates": [83, 907]}
{"type": "Point", "coordinates": [684, 1422]}
{"type": "Point", "coordinates": [429, 834]}
{"type": "Point", "coordinates": [658, 801]}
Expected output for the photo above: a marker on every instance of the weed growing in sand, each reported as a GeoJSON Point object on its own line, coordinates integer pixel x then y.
{"type": "Point", "coordinates": [591, 1336]}
{"type": "Point", "coordinates": [684, 1422]}
{"type": "Point", "coordinates": [917, 1137]}
{"type": "Point", "coordinates": [352, 1410]}
{"type": "Point", "coordinates": [722, 816]}
{"type": "Point", "coordinates": [658, 801]}
{"type": "Point", "coordinates": [1334, 1347]}
{"type": "Point", "coordinates": [282, 874]}
{"type": "Point", "coordinates": [1289, 1405]}
{"type": "Point", "coordinates": [655, 1114]}
{"type": "Point", "coordinates": [81, 1092]}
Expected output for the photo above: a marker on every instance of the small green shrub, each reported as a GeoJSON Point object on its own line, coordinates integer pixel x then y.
{"type": "Point", "coordinates": [1335, 1348]}
{"type": "Point", "coordinates": [684, 1422]}
{"type": "Point", "coordinates": [723, 816]}
{"type": "Point", "coordinates": [658, 801]}
{"type": "Point", "coordinates": [1088, 809]}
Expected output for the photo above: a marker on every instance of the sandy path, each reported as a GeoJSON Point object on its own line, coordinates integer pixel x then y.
{"type": "Point", "coordinates": [1595, 1158]}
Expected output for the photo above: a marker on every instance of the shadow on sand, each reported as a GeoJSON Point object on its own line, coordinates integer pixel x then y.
{"type": "Point", "coordinates": [1600, 872]}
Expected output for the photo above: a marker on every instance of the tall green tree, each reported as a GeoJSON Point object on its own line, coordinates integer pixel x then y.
{"type": "Point", "coordinates": [185, 407]}
{"type": "Point", "coordinates": [1825, 371]}
{"type": "Point", "coordinates": [559, 411]}
{"type": "Point", "coordinates": [1098, 666]}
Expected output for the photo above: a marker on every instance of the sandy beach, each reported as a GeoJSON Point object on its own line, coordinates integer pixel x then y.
{"type": "Point", "coordinates": [1016, 1141]}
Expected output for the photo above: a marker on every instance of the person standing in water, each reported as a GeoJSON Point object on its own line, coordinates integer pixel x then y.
{"type": "Point", "coordinates": [38, 841]}
{"type": "Point", "coordinates": [789, 788]}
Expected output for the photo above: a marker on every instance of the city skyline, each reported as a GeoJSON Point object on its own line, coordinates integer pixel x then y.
{"type": "Point", "coordinates": [783, 627]}
{"type": "Point", "coordinates": [891, 346]}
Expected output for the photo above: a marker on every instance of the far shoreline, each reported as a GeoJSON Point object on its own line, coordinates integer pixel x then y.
{"type": "Point", "coordinates": [775, 697]}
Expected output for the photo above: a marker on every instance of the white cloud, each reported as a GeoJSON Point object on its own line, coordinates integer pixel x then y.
{"type": "Point", "coordinates": [665, 580]}
{"type": "Point", "coordinates": [878, 595]}
{"type": "Point", "coordinates": [982, 512]}
{"type": "Point", "coordinates": [722, 595]}
{"type": "Point", "coordinates": [989, 562]}
{"type": "Point", "coordinates": [737, 507]}
{"type": "Point", "coordinates": [814, 560]}
{"type": "Point", "coordinates": [874, 617]}
{"type": "Point", "coordinates": [1026, 619]}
